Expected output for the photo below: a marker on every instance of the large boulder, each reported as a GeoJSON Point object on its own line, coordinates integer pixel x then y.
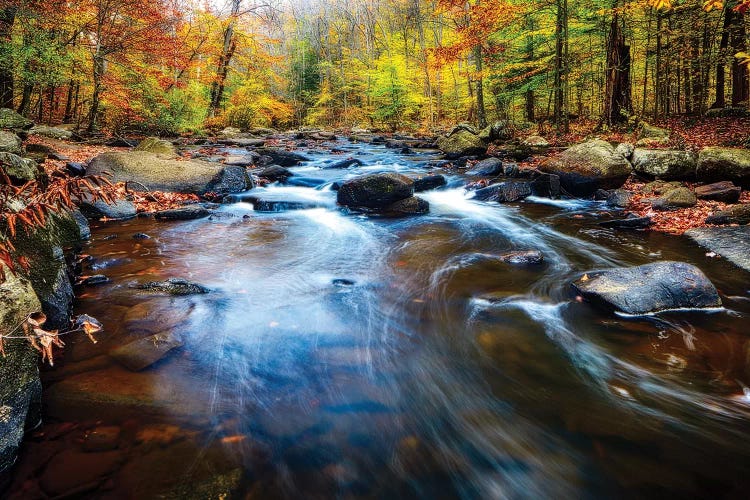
{"type": "Point", "coordinates": [157, 146]}
{"type": "Point", "coordinates": [20, 170]}
{"type": "Point", "coordinates": [375, 191]}
{"type": "Point", "coordinates": [681, 197]}
{"type": "Point", "coordinates": [649, 288]}
{"type": "Point", "coordinates": [10, 142]}
{"type": "Point", "coordinates": [665, 164]}
{"type": "Point", "coordinates": [51, 132]}
{"type": "Point", "coordinates": [724, 164]}
{"type": "Point", "coordinates": [461, 143]}
{"type": "Point", "coordinates": [586, 167]}
{"type": "Point", "coordinates": [9, 119]}
{"type": "Point", "coordinates": [20, 388]}
{"type": "Point", "coordinates": [155, 172]}
{"type": "Point", "coordinates": [429, 182]}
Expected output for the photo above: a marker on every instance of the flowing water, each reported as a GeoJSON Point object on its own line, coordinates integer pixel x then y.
{"type": "Point", "coordinates": [339, 355]}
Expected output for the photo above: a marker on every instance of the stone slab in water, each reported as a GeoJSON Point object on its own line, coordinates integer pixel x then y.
{"type": "Point", "coordinates": [649, 288]}
{"type": "Point", "coordinates": [732, 243]}
{"type": "Point", "coordinates": [144, 352]}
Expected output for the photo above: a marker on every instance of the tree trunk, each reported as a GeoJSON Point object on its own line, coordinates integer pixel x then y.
{"type": "Point", "coordinates": [7, 18]}
{"type": "Point", "coordinates": [561, 33]}
{"type": "Point", "coordinates": [222, 68]}
{"type": "Point", "coordinates": [68, 116]}
{"type": "Point", "coordinates": [618, 102]}
{"type": "Point", "coordinates": [99, 68]}
{"type": "Point", "coordinates": [529, 96]}
{"type": "Point", "coordinates": [720, 101]}
{"type": "Point", "coordinates": [740, 87]}
{"type": "Point", "coordinates": [481, 113]}
{"type": "Point", "coordinates": [28, 88]}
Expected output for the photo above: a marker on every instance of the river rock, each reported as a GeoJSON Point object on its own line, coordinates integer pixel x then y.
{"type": "Point", "coordinates": [535, 143]}
{"type": "Point", "coordinates": [732, 243]}
{"type": "Point", "coordinates": [155, 172]}
{"type": "Point", "coordinates": [461, 143]}
{"type": "Point", "coordinates": [102, 438]}
{"type": "Point", "coordinates": [375, 191]}
{"type": "Point", "coordinates": [10, 142]}
{"type": "Point", "coordinates": [649, 288]}
{"type": "Point", "coordinates": [157, 146]}
{"type": "Point", "coordinates": [504, 192]}
{"type": "Point", "coordinates": [11, 120]}
{"type": "Point", "coordinates": [625, 149]}
{"type": "Point", "coordinates": [142, 353]}
{"type": "Point", "coordinates": [342, 164]}
{"type": "Point", "coordinates": [737, 214]}
{"type": "Point", "coordinates": [675, 198]}
{"type": "Point", "coordinates": [240, 160]}
{"type": "Point", "coordinates": [20, 388]}
{"type": "Point", "coordinates": [523, 257]}
{"type": "Point", "coordinates": [724, 191]}
{"type": "Point", "coordinates": [722, 164]}
{"type": "Point", "coordinates": [21, 170]}
{"type": "Point", "coordinates": [51, 132]}
{"type": "Point", "coordinates": [173, 286]}
{"type": "Point", "coordinates": [665, 164]}
{"type": "Point", "coordinates": [275, 173]}
{"type": "Point", "coordinates": [75, 169]}
{"type": "Point", "coordinates": [586, 167]}
{"type": "Point", "coordinates": [119, 210]}
{"type": "Point", "coordinates": [490, 167]}
{"type": "Point", "coordinates": [628, 223]}
{"type": "Point", "coordinates": [282, 157]}
{"type": "Point", "coordinates": [619, 198]}
{"type": "Point", "coordinates": [157, 315]}
{"type": "Point", "coordinates": [188, 212]}
{"type": "Point", "coordinates": [408, 206]}
{"type": "Point", "coordinates": [429, 182]}
{"type": "Point", "coordinates": [545, 185]}
{"type": "Point", "coordinates": [646, 131]}
{"type": "Point", "coordinates": [72, 473]}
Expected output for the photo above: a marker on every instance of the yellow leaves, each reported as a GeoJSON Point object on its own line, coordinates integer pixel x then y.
{"type": "Point", "coordinates": [660, 4]}
{"type": "Point", "coordinates": [710, 5]}
{"type": "Point", "coordinates": [743, 57]}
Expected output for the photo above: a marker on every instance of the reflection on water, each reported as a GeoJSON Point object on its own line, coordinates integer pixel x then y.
{"type": "Point", "coordinates": [340, 355]}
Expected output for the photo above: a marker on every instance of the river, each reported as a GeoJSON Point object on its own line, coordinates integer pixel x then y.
{"type": "Point", "coordinates": [340, 355]}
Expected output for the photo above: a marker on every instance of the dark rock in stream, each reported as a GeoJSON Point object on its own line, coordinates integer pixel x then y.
{"type": "Point", "coordinates": [275, 173]}
{"type": "Point", "coordinates": [342, 282]}
{"type": "Point", "coordinates": [408, 206]}
{"type": "Point", "coordinates": [545, 185]}
{"type": "Point", "coordinates": [375, 191]}
{"type": "Point", "coordinates": [342, 164]}
{"type": "Point", "coordinates": [649, 288]}
{"type": "Point", "coordinates": [628, 223]}
{"type": "Point", "coordinates": [144, 352]}
{"type": "Point", "coordinates": [141, 236]}
{"type": "Point", "coordinates": [504, 192]}
{"type": "Point", "coordinates": [119, 210]}
{"type": "Point", "coordinates": [732, 243]}
{"type": "Point", "coordinates": [97, 279]}
{"type": "Point", "coordinates": [189, 212]}
{"type": "Point", "coordinates": [305, 181]}
{"type": "Point", "coordinates": [173, 286]}
{"type": "Point", "coordinates": [523, 257]}
{"type": "Point", "coordinates": [725, 192]}
{"type": "Point", "coordinates": [282, 157]}
{"type": "Point", "coordinates": [491, 167]}
{"type": "Point", "coordinates": [429, 182]}
{"type": "Point", "coordinates": [619, 198]}
{"type": "Point", "coordinates": [75, 169]}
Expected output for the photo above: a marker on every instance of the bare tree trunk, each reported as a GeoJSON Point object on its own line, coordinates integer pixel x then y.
{"type": "Point", "coordinates": [222, 69]}
{"type": "Point", "coordinates": [481, 113]}
{"type": "Point", "coordinates": [99, 68]}
{"type": "Point", "coordinates": [740, 87]}
{"type": "Point", "coordinates": [561, 34]}
{"type": "Point", "coordinates": [618, 102]}
{"type": "Point", "coordinates": [529, 96]}
{"type": "Point", "coordinates": [7, 18]}
{"type": "Point", "coordinates": [720, 101]}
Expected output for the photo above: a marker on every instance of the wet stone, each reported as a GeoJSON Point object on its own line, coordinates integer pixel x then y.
{"type": "Point", "coordinates": [628, 223]}
{"type": "Point", "coordinates": [183, 213]}
{"type": "Point", "coordinates": [142, 353]}
{"type": "Point", "coordinates": [72, 472]}
{"type": "Point", "coordinates": [173, 286]}
{"type": "Point", "coordinates": [725, 192]}
{"type": "Point", "coordinates": [141, 236]}
{"type": "Point", "coordinates": [525, 257]}
{"type": "Point", "coordinates": [97, 279]}
{"type": "Point", "coordinates": [104, 438]}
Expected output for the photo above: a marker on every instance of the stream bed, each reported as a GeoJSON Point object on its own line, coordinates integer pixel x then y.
{"type": "Point", "coordinates": [345, 356]}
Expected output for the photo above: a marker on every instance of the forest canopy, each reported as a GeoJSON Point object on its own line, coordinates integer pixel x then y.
{"type": "Point", "coordinates": [180, 66]}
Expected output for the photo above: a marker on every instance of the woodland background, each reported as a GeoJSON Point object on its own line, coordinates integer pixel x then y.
{"type": "Point", "coordinates": [182, 66]}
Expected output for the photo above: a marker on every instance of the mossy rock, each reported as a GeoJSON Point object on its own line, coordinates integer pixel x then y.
{"type": "Point", "coordinates": [665, 164]}
{"type": "Point", "coordinates": [10, 142]}
{"type": "Point", "coordinates": [646, 131]}
{"type": "Point", "coordinates": [20, 388]}
{"type": "Point", "coordinates": [157, 146]}
{"type": "Point", "coordinates": [724, 164]}
{"type": "Point", "coordinates": [9, 119]}
{"type": "Point", "coordinates": [462, 143]}
{"type": "Point", "coordinates": [21, 170]}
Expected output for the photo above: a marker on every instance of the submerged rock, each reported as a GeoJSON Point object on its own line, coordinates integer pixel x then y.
{"type": "Point", "coordinates": [586, 167]}
{"type": "Point", "coordinates": [173, 286]}
{"type": "Point", "coordinates": [628, 223]}
{"type": "Point", "coordinates": [649, 288]}
{"type": "Point", "coordinates": [144, 352]}
{"type": "Point", "coordinates": [523, 257]}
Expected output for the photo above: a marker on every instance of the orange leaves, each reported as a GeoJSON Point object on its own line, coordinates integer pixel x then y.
{"type": "Point", "coordinates": [88, 325]}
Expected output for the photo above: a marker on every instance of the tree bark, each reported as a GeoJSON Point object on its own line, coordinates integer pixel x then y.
{"type": "Point", "coordinates": [740, 87]}
{"type": "Point", "coordinates": [7, 18]}
{"type": "Point", "coordinates": [222, 68]}
{"type": "Point", "coordinates": [561, 34]}
{"type": "Point", "coordinates": [481, 113]}
{"type": "Point", "coordinates": [618, 101]}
